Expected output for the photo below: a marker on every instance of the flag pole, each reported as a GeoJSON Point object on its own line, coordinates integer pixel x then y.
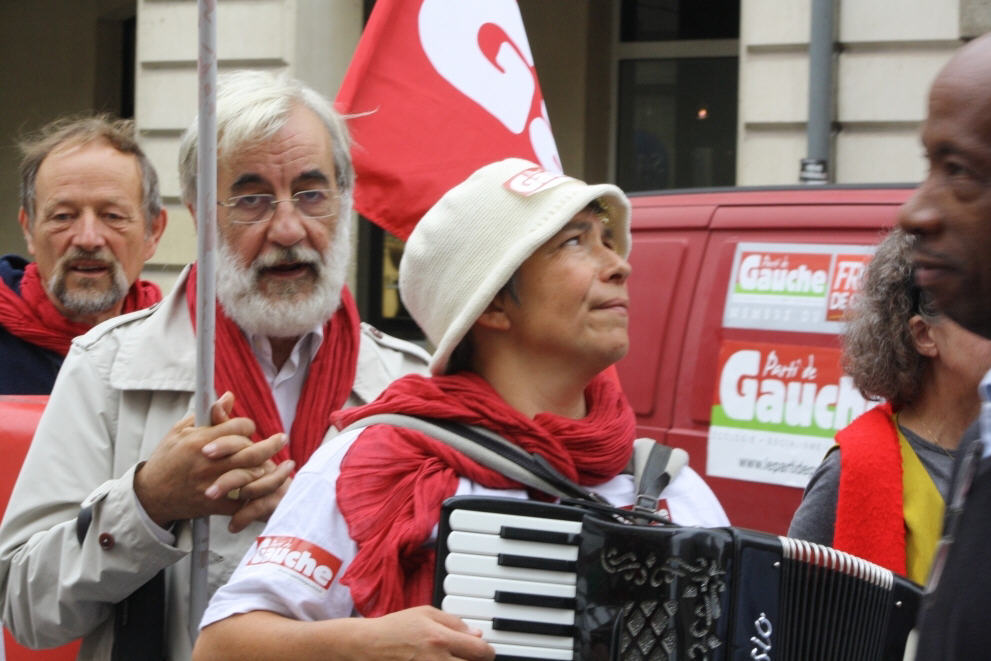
{"type": "Point", "coordinates": [206, 222]}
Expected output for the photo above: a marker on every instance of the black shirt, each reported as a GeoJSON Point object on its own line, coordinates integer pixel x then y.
{"type": "Point", "coordinates": [953, 620]}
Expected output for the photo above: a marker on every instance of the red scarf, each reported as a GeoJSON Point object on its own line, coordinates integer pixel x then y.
{"type": "Point", "coordinates": [870, 522]}
{"type": "Point", "coordinates": [34, 318]}
{"type": "Point", "coordinates": [328, 383]}
{"type": "Point", "coordinates": [392, 482]}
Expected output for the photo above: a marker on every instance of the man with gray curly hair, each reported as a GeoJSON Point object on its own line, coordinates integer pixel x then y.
{"type": "Point", "coordinates": [96, 540]}
{"type": "Point", "coordinates": [91, 216]}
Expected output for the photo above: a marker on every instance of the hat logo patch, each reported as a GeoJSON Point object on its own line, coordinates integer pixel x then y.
{"type": "Point", "coordinates": [534, 180]}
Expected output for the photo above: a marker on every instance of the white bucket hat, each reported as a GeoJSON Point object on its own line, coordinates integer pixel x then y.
{"type": "Point", "coordinates": [472, 241]}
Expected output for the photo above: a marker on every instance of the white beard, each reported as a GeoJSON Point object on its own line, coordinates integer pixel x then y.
{"type": "Point", "coordinates": [289, 313]}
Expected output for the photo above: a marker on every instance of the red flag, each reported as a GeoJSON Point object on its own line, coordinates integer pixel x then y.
{"type": "Point", "coordinates": [439, 88]}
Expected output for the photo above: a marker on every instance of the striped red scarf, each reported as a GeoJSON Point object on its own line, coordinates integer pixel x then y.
{"type": "Point", "coordinates": [33, 317]}
{"type": "Point", "coordinates": [393, 480]}
{"type": "Point", "coordinates": [328, 383]}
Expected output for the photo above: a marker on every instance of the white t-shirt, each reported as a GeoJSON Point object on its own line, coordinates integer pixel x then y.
{"type": "Point", "coordinates": [294, 567]}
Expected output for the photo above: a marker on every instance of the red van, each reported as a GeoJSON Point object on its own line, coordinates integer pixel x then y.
{"type": "Point", "coordinates": [737, 299]}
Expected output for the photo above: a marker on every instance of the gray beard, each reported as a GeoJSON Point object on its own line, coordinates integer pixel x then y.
{"type": "Point", "coordinates": [85, 301]}
{"type": "Point", "coordinates": [288, 313]}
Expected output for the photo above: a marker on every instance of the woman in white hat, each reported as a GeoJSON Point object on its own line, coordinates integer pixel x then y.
{"type": "Point", "coordinates": [518, 277]}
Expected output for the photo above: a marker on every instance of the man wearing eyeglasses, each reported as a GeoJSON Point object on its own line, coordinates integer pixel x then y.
{"type": "Point", "coordinates": [100, 512]}
{"type": "Point", "coordinates": [91, 216]}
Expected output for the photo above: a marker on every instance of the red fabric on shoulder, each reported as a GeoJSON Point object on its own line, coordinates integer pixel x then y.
{"type": "Point", "coordinates": [393, 480]}
{"type": "Point", "coordinates": [870, 522]}
{"type": "Point", "coordinates": [34, 318]}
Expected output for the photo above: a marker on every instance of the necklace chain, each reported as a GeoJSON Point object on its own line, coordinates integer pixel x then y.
{"type": "Point", "coordinates": [930, 437]}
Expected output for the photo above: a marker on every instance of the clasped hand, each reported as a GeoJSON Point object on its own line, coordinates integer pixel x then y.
{"type": "Point", "coordinates": [194, 471]}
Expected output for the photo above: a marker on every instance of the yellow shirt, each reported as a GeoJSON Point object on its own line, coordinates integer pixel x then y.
{"type": "Point", "coordinates": [923, 507]}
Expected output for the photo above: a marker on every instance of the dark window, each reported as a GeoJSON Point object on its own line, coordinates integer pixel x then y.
{"type": "Point", "coordinates": [677, 123]}
{"type": "Point", "coordinates": [113, 80]}
{"type": "Point", "coordinates": [128, 29]}
{"type": "Point", "coordinates": [667, 20]}
{"type": "Point", "coordinates": [378, 282]}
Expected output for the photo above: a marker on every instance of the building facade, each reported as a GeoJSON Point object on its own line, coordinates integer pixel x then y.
{"type": "Point", "coordinates": [650, 94]}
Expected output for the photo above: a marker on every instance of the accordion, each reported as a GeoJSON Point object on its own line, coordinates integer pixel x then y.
{"type": "Point", "coordinates": [548, 581]}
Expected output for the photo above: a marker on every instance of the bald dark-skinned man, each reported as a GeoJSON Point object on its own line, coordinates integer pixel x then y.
{"type": "Point", "coordinates": [951, 215]}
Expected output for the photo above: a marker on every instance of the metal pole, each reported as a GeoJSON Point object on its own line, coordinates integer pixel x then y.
{"type": "Point", "coordinates": [815, 167]}
{"type": "Point", "coordinates": [206, 222]}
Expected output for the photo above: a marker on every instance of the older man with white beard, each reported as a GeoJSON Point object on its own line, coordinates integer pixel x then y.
{"type": "Point", "coordinates": [117, 467]}
{"type": "Point", "coordinates": [91, 216]}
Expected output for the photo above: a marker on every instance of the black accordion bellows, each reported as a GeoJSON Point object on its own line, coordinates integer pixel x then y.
{"type": "Point", "coordinates": [565, 582]}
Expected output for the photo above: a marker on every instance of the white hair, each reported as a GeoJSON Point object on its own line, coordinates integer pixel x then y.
{"type": "Point", "coordinates": [251, 108]}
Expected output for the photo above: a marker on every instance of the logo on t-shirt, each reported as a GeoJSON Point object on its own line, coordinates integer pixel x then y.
{"type": "Point", "coordinates": [312, 563]}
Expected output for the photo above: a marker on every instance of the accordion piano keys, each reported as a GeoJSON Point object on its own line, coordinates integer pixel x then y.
{"type": "Point", "coordinates": [545, 581]}
{"type": "Point", "coordinates": [485, 544]}
{"type": "Point", "coordinates": [513, 578]}
{"type": "Point", "coordinates": [482, 565]}
{"type": "Point", "coordinates": [506, 638]}
{"type": "Point", "coordinates": [489, 587]}
{"type": "Point", "coordinates": [523, 653]}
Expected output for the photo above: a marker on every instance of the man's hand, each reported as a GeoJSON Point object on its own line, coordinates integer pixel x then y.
{"type": "Point", "coordinates": [185, 477]}
{"type": "Point", "coordinates": [258, 497]}
{"type": "Point", "coordinates": [419, 634]}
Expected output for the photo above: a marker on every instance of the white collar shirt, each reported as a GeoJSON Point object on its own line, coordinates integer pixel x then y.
{"type": "Point", "coordinates": [287, 383]}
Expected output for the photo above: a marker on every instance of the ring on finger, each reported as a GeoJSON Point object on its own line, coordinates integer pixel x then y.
{"type": "Point", "coordinates": [234, 494]}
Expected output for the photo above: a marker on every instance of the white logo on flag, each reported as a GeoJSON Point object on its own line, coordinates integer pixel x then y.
{"type": "Point", "coordinates": [449, 35]}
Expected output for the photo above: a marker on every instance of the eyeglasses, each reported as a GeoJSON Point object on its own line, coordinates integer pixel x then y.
{"type": "Point", "coordinates": [260, 207]}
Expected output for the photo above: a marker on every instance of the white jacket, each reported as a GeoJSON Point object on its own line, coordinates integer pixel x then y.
{"type": "Point", "coordinates": [122, 387]}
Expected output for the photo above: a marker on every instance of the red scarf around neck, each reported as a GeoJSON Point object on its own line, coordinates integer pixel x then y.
{"type": "Point", "coordinates": [328, 383]}
{"type": "Point", "coordinates": [870, 517]}
{"type": "Point", "coordinates": [392, 483]}
{"type": "Point", "coordinates": [34, 318]}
